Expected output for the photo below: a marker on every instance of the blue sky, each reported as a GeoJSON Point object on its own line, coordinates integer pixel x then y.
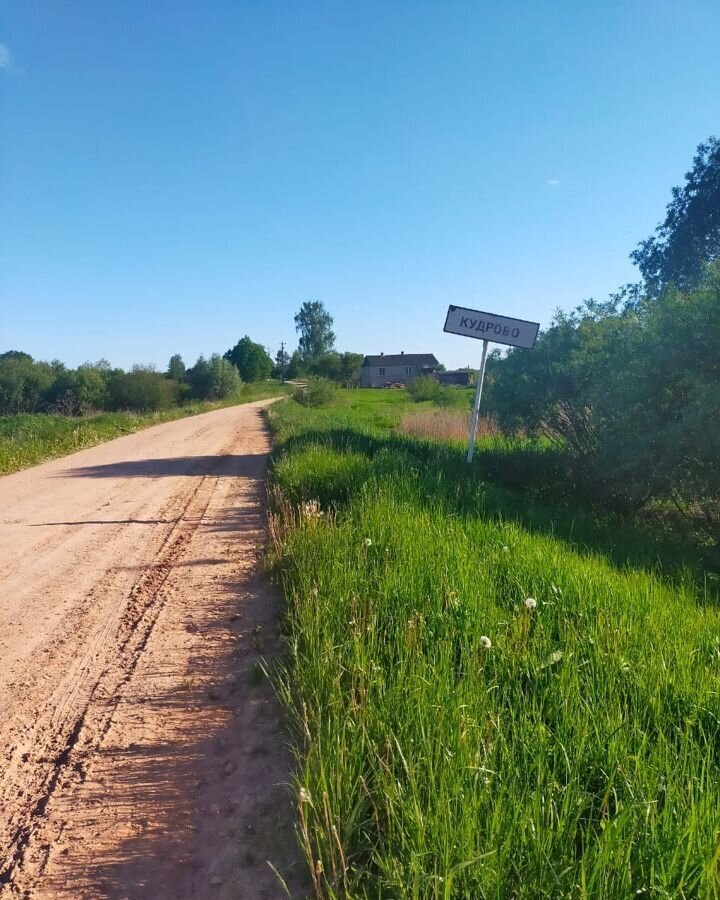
{"type": "Point", "coordinates": [174, 175]}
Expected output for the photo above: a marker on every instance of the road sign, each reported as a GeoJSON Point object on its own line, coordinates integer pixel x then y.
{"type": "Point", "coordinates": [490, 327]}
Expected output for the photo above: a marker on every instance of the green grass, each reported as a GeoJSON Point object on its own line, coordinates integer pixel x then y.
{"type": "Point", "coordinates": [578, 756]}
{"type": "Point", "coordinates": [29, 439]}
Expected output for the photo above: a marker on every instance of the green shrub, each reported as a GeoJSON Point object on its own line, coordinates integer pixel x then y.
{"type": "Point", "coordinates": [424, 388]}
{"type": "Point", "coordinates": [24, 383]}
{"type": "Point", "coordinates": [142, 389]}
{"type": "Point", "coordinates": [214, 379]}
{"type": "Point", "coordinates": [317, 392]}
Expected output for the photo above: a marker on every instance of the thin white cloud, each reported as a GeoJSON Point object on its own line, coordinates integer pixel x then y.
{"type": "Point", "coordinates": [5, 58]}
{"type": "Point", "coordinates": [553, 182]}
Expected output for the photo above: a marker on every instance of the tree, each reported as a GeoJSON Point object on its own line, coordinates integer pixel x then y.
{"type": "Point", "coordinates": [142, 388]}
{"type": "Point", "coordinates": [214, 378]}
{"type": "Point", "coordinates": [200, 379]}
{"type": "Point", "coordinates": [251, 360]}
{"type": "Point", "coordinates": [690, 235]}
{"type": "Point", "coordinates": [224, 378]}
{"type": "Point", "coordinates": [282, 361]}
{"type": "Point", "coordinates": [79, 391]}
{"type": "Point", "coordinates": [314, 325]}
{"type": "Point", "coordinates": [24, 383]}
{"type": "Point", "coordinates": [327, 366]}
{"type": "Point", "coordinates": [295, 365]}
{"type": "Point", "coordinates": [350, 367]}
{"type": "Point", "coordinates": [176, 368]}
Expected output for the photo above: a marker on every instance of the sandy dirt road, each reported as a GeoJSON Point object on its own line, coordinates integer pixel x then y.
{"type": "Point", "coordinates": [141, 747]}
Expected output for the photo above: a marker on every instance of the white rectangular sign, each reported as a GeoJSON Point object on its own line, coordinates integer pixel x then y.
{"type": "Point", "coordinates": [489, 327]}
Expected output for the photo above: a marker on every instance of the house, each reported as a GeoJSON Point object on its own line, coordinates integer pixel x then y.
{"type": "Point", "coordinates": [464, 377]}
{"type": "Point", "coordinates": [398, 368]}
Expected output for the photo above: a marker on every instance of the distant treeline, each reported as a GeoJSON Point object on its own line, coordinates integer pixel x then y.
{"type": "Point", "coordinates": [630, 387]}
{"type": "Point", "coordinates": [28, 385]}
{"type": "Point", "coordinates": [344, 368]}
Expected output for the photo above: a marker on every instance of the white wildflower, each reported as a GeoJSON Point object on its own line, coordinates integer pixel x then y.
{"type": "Point", "coordinates": [485, 642]}
{"type": "Point", "coordinates": [368, 542]}
{"type": "Point", "coordinates": [531, 603]}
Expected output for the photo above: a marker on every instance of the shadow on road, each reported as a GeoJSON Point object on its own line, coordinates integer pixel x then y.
{"type": "Point", "coordinates": [246, 465]}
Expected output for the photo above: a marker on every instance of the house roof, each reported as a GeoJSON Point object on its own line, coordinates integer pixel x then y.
{"type": "Point", "coordinates": [401, 359]}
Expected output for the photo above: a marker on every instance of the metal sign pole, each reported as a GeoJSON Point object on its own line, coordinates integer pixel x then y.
{"type": "Point", "coordinates": [476, 404]}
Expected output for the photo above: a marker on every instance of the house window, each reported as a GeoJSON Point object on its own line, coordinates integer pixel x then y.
{"type": "Point", "coordinates": [408, 370]}
{"type": "Point", "coordinates": [382, 370]}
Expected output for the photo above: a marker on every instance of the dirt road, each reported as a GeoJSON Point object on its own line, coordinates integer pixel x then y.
{"type": "Point", "coordinates": [141, 745]}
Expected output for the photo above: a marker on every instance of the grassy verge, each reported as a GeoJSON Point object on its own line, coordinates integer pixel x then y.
{"type": "Point", "coordinates": [455, 740]}
{"type": "Point", "coordinates": [27, 440]}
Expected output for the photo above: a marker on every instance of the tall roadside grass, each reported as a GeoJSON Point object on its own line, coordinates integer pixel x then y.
{"type": "Point", "coordinates": [32, 438]}
{"type": "Point", "coordinates": [443, 424]}
{"type": "Point", "coordinates": [482, 707]}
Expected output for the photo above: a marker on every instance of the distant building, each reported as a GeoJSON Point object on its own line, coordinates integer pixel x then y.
{"type": "Point", "coordinates": [463, 377]}
{"type": "Point", "coordinates": [399, 368]}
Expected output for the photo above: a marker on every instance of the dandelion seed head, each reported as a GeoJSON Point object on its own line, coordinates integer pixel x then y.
{"type": "Point", "coordinates": [531, 603]}
{"type": "Point", "coordinates": [485, 642]}
{"type": "Point", "coordinates": [368, 542]}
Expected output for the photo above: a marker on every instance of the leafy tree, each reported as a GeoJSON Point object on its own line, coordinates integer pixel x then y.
{"type": "Point", "coordinates": [314, 325]}
{"type": "Point", "coordinates": [350, 367]}
{"type": "Point", "coordinates": [200, 378]}
{"type": "Point", "coordinates": [214, 379]}
{"type": "Point", "coordinates": [176, 368]}
{"type": "Point", "coordinates": [282, 361]}
{"type": "Point", "coordinates": [24, 383]}
{"type": "Point", "coordinates": [16, 354]}
{"type": "Point", "coordinates": [296, 366]}
{"type": "Point", "coordinates": [669, 397]}
{"type": "Point", "coordinates": [327, 366]}
{"type": "Point", "coordinates": [79, 391]}
{"type": "Point", "coordinates": [250, 359]}
{"type": "Point", "coordinates": [141, 389]}
{"type": "Point", "coordinates": [225, 378]}
{"type": "Point", "coordinates": [689, 237]}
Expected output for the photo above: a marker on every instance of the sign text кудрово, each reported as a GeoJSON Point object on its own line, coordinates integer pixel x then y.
{"type": "Point", "coordinates": [491, 327]}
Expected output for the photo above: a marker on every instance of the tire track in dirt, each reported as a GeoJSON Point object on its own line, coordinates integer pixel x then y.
{"type": "Point", "coordinates": [76, 723]}
{"type": "Point", "coordinates": [108, 619]}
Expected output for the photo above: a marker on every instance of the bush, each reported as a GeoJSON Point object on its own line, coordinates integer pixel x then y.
{"type": "Point", "coordinates": [424, 388]}
{"type": "Point", "coordinates": [317, 392]}
{"type": "Point", "coordinates": [142, 389]}
{"type": "Point", "coordinates": [632, 395]}
{"type": "Point", "coordinates": [80, 391]}
{"type": "Point", "coordinates": [24, 383]}
{"type": "Point", "coordinates": [214, 379]}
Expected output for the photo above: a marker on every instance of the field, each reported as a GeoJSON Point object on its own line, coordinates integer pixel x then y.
{"type": "Point", "coordinates": [32, 438]}
{"type": "Point", "coordinates": [492, 696]}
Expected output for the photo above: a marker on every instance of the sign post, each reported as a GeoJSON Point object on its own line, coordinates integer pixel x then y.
{"type": "Point", "coordinates": [488, 327]}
